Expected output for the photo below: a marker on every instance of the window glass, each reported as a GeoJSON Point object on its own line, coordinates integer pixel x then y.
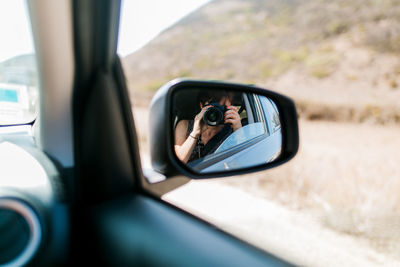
{"type": "Point", "coordinates": [244, 134]}
{"type": "Point", "coordinates": [18, 70]}
{"type": "Point", "coordinates": [339, 61]}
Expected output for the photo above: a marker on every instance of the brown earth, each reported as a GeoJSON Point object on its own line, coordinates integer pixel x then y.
{"type": "Point", "coordinates": [346, 176]}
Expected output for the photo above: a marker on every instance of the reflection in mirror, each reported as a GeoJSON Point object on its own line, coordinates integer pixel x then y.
{"type": "Point", "coordinates": [216, 131]}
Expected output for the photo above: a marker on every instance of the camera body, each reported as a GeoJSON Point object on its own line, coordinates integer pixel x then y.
{"type": "Point", "coordinates": [214, 115]}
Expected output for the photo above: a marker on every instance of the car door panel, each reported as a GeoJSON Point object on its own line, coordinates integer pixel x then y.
{"type": "Point", "coordinates": [138, 230]}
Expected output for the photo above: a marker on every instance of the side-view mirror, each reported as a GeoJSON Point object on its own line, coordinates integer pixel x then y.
{"type": "Point", "coordinates": [208, 129]}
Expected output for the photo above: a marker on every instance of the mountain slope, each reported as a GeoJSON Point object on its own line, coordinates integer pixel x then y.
{"type": "Point", "coordinates": [337, 54]}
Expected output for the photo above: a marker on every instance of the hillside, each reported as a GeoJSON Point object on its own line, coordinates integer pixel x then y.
{"type": "Point", "coordinates": [329, 56]}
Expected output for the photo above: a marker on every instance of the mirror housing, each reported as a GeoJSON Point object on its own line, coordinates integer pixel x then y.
{"type": "Point", "coordinates": [161, 138]}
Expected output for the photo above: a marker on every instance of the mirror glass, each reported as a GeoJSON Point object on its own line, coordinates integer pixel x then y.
{"type": "Point", "coordinates": [216, 131]}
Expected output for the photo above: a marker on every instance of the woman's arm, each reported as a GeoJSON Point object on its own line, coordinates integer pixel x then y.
{"type": "Point", "coordinates": [184, 145]}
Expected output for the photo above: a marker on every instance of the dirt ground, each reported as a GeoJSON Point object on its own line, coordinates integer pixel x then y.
{"type": "Point", "coordinates": [346, 177]}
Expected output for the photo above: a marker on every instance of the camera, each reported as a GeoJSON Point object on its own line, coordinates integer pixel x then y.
{"type": "Point", "coordinates": [214, 115]}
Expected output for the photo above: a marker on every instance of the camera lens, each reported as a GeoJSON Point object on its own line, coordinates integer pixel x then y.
{"type": "Point", "coordinates": [213, 116]}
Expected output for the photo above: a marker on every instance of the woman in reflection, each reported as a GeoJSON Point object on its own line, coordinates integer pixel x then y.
{"type": "Point", "coordinates": [195, 139]}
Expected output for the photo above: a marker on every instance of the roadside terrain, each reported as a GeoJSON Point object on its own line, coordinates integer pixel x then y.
{"type": "Point", "coordinates": [338, 196]}
{"type": "Point", "coordinates": [291, 234]}
{"type": "Point", "coordinates": [337, 203]}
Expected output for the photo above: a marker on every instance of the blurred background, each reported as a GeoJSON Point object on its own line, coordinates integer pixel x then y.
{"type": "Point", "coordinates": [340, 62]}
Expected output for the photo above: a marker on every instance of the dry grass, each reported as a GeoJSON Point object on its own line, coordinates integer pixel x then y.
{"type": "Point", "coordinates": [346, 175]}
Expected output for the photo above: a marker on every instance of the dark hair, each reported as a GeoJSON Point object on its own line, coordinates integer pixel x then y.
{"type": "Point", "coordinates": [212, 96]}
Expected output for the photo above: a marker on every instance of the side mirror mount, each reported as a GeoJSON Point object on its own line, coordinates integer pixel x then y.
{"type": "Point", "coordinates": [205, 129]}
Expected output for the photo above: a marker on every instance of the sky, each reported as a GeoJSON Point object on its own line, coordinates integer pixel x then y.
{"type": "Point", "coordinates": [14, 31]}
{"type": "Point", "coordinates": [141, 21]}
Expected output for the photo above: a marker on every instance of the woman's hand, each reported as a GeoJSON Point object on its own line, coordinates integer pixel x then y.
{"type": "Point", "coordinates": [198, 124]}
{"type": "Point", "coordinates": [232, 116]}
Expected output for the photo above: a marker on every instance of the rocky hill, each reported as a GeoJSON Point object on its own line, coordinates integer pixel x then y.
{"type": "Point", "coordinates": [338, 59]}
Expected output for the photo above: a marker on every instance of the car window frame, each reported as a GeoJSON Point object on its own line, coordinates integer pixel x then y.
{"type": "Point", "coordinates": [267, 106]}
{"type": "Point", "coordinates": [259, 114]}
{"type": "Point", "coordinates": [249, 111]}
